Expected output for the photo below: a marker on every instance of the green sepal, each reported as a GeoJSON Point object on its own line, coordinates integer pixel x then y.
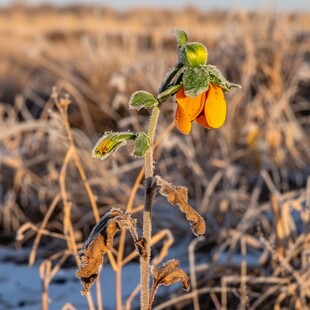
{"type": "Point", "coordinates": [110, 142]}
{"type": "Point", "coordinates": [168, 92]}
{"type": "Point", "coordinates": [172, 82]}
{"type": "Point", "coordinates": [195, 81]}
{"type": "Point", "coordinates": [142, 99]}
{"type": "Point", "coordinates": [180, 36]}
{"type": "Point", "coordinates": [193, 54]}
{"type": "Point", "coordinates": [217, 78]}
{"type": "Point", "coordinates": [142, 144]}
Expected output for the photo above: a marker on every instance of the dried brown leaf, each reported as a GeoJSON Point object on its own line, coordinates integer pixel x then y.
{"type": "Point", "coordinates": [176, 275]}
{"type": "Point", "coordinates": [99, 242]}
{"type": "Point", "coordinates": [168, 274]}
{"type": "Point", "coordinates": [161, 271]}
{"type": "Point", "coordinates": [177, 195]}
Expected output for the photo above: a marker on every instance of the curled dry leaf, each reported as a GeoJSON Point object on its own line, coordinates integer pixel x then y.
{"type": "Point", "coordinates": [99, 242]}
{"type": "Point", "coordinates": [140, 245]}
{"type": "Point", "coordinates": [177, 195]}
{"type": "Point", "coordinates": [168, 274]}
{"type": "Point", "coordinates": [161, 271]}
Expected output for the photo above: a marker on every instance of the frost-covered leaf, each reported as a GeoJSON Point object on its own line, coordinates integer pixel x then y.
{"type": "Point", "coordinates": [180, 36]}
{"type": "Point", "coordinates": [168, 274]}
{"type": "Point", "coordinates": [142, 99]}
{"type": "Point", "coordinates": [216, 77]}
{"type": "Point", "coordinates": [195, 81]}
{"type": "Point", "coordinates": [142, 144]}
{"type": "Point", "coordinates": [110, 142]}
{"type": "Point", "coordinates": [100, 240]}
{"type": "Point", "coordinates": [177, 195]}
{"type": "Point", "coordinates": [193, 54]}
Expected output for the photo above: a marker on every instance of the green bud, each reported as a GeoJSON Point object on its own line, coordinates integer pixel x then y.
{"type": "Point", "coordinates": [196, 81]}
{"type": "Point", "coordinates": [142, 144]}
{"type": "Point", "coordinates": [142, 99]}
{"type": "Point", "coordinates": [180, 36]}
{"type": "Point", "coordinates": [217, 78]}
{"type": "Point", "coordinates": [193, 54]}
{"type": "Point", "coordinates": [110, 142]}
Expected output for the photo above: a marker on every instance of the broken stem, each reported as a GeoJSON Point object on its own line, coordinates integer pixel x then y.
{"type": "Point", "coordinates": [147, 214]}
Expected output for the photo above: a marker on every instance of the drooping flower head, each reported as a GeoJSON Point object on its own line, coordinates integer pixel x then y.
{"type": "Point", "coordinates": [208, 109]}
{"type": "Point", "coordinates": [199, 87]}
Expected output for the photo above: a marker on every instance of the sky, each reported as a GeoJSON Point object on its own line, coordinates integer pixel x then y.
{"type": "Point", "coordinates": [283, 5]}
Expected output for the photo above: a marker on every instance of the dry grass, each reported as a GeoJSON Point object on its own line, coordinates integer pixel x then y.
{"type": "Point", "coordinates": [250, 179]}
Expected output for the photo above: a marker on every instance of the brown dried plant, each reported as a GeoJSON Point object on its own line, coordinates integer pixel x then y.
{"type": "Point", "coordinates": [99, 242]}
{"type": "Point", "coordinates": [168, 274]}
{"type": "Point", "coordinates": [199, 90]}
{"type": "Point", "coordinates": [254, 170]}
{"type": "Point", "coordinates": [178, 195]}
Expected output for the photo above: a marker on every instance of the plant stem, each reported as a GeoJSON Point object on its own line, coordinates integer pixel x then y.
{"type": "Point", "coordinates": [147, 213]}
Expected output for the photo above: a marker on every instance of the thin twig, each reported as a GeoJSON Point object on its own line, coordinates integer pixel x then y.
{"type": "Point", "coordinates": [32, 255]}
{"type": "Point", "coordinates": [68, 229]}
{"type": "Point", "coordinates": [191, 255]}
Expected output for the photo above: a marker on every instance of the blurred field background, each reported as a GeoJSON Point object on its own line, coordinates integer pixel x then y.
{"type": "Point", "coordinates": [250, 179]}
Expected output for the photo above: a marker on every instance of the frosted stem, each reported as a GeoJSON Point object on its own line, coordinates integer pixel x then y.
{"type": "Point", "coordinates": [147, 214]}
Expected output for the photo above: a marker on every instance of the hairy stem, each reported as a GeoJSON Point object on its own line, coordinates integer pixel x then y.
{"type": "Point", "coordinates": [147, 213]}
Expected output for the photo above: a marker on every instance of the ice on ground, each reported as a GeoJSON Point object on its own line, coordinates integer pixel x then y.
{"type": "Point", "coordinates": [21, 287]}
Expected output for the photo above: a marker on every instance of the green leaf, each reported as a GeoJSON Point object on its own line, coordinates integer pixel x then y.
{"type": "Point", "coordinates": [180, 36]}
{"type": "Point", "coordinates": [195, 81]}
{"type": "Point", "coordinates": [193, 54]}
{"type": "Point", "coordinates": [110, 142]}
{"type": "Point", "coordinates": [217, 78]}
{"type": "Point", "coordinates": [168, 92]}
{"type": "Point", "coordinates": [142, 144]}
{"type": "Point", "coordinates": [142, 99]}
